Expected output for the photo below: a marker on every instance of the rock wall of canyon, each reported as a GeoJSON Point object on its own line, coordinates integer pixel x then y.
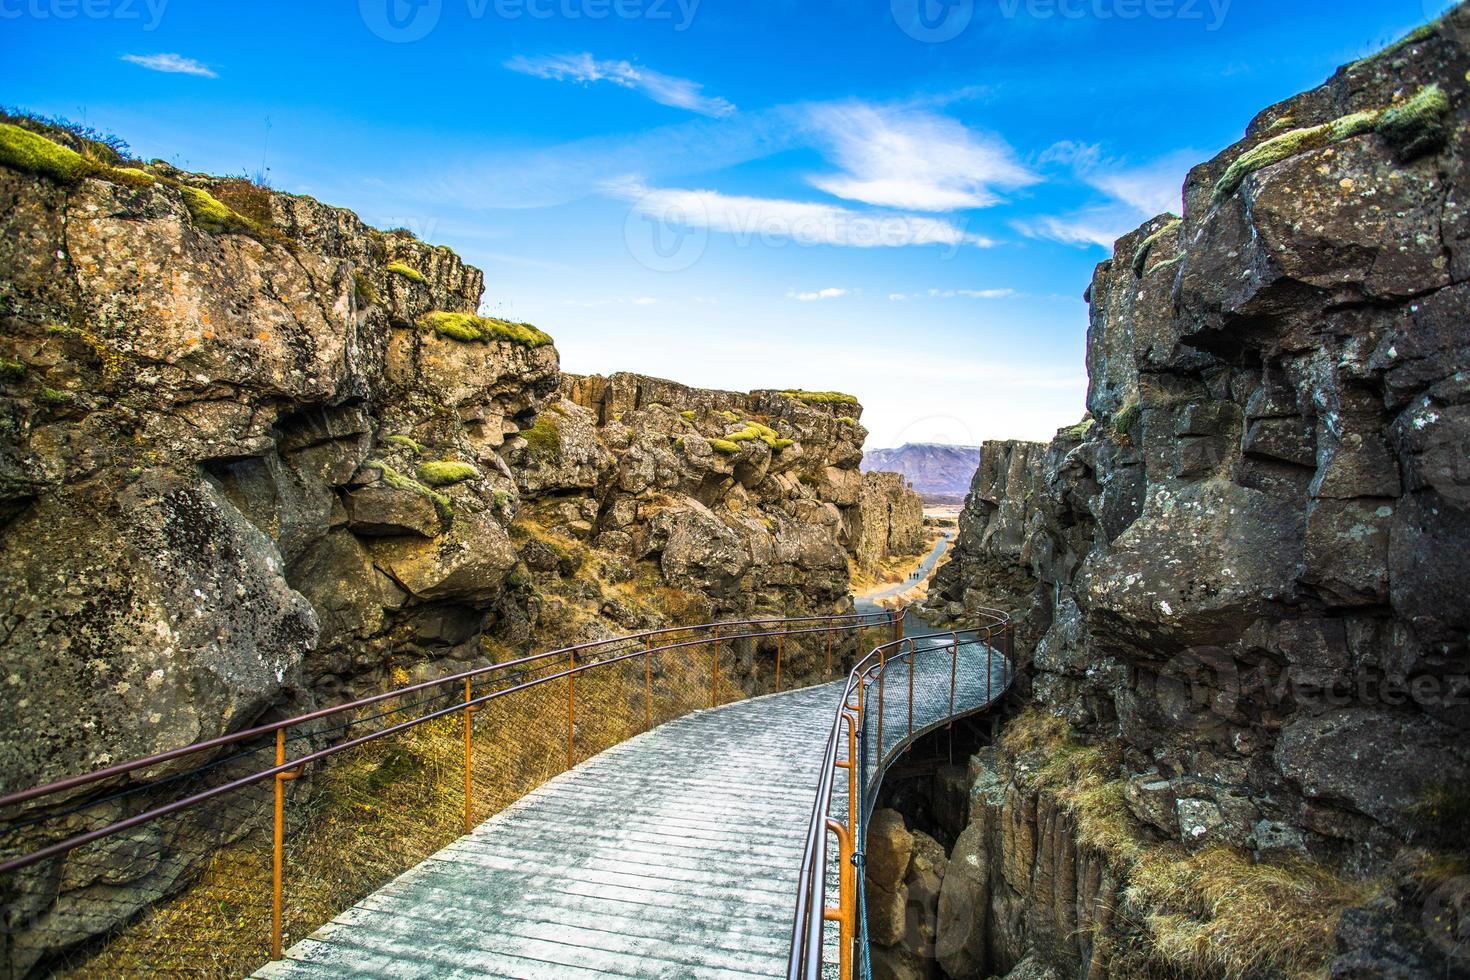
{"type": "Point", "coordinates": [1245, 568]}
{"type": "Point", "coordinates": [257, 457]}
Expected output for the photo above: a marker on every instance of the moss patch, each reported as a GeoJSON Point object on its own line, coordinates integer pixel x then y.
{"type": "Point", "coordinates": [1127, 418]}
{"type": "Point", "coordinates": [821, 397]}
{"type": "Point", "coordinates": [688, 415]}
{"type": "Point", "coordinates": [1078, 431]}
{"type": "Point", "coordinates": [408, 272]}
{"type": "Point", "coordinates": [363, 287]}
{"type": "Point", "coordinates": [543, 440]}
{"type": "Point", "coordinates": [1418, 126]}
{"type": "Point", "coordinates": [398, 481]}
{"type": "Point", "coordinates": [724, 446]}
{"type": "Point", "coordinates": [468, 329]}
{"type": "Point", "coordinates": [11, 369]}
{"type": "Point", "coordinates": [29, 153]}
{"type": "Point", "coordinates": [1415, 127]}
{"type": "Point", "coordinates": [1140, 257]}
{"type": "Point", "coordinates": [445, 473]}
{"type": "Point", "coordinates": [213, 215]}
{"type": "Point", "coordinates": [847, 420]}
{"type": "Point", "coordinates": [407, 442]}
{"type": "Point", "coordinates": [55, 396]}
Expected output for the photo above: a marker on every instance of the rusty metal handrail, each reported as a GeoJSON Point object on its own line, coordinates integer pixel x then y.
{"type": "Point", "coordinates": [284, 770]}
{"type": "Point", "coordinates": [812, 911]}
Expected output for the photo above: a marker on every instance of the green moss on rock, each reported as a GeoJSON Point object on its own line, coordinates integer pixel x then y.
{"type": "Point", "coordinates": [724, 446]}
{"type": "Point", "coordinates": [55, 396]}
{"type": "Point", "coordinates": [1140, 257]}
{"type": "Point", "coordinates": [1412, 128]}
{"type": "Point", "coordinates": [467, 328]}
{"type": "Point", "coordinates": [408, 272]}
{"type": "Point", "coordinates": [11, 369]}
{"type": "Point", "coordinates": [1418, 126]}
{"type": "Point", "coordinates": [444, 473]}
{"type": "Point", "coordinates": [821, 397]}
{"type": "Point", "coordinates": [543, 440]}
{"type": "Point", "coordinates": [407, 442]}
{"type": "Point", "coordinates": [214, 216]}
{"type": "Point", "coordinates": [29, 153]}
{"type": "Point", "coordinates": [398, 481]}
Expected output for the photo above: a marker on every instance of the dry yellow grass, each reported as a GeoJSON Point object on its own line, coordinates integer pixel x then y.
{"type": "Point", "coordinates": [1210, 913]}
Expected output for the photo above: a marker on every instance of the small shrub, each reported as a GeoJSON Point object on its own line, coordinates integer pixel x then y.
{"type": "Point", "coordinates": [408, 272]}
{"type": "Point", "coordinates": [445, 473]}
{"type": "Point", "coordinates": [467, 328]}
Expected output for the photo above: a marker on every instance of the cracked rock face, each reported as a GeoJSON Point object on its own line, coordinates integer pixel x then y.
{"type": "Point", "coordinates": [1247, 565]}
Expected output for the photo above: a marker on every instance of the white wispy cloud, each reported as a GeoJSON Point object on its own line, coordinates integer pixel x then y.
{"type": "Point", "coordinates": [1134, 195]}
{"type": "Point", "coordinates": [777, 221]}
{"type": "Point", "coordinates": [953, 293]}
{"type": "Point", "coordinates": [831, 292]}
{"type": "Point", "coordinates": [173, 63]}
{"type": "Point", "coordinates": [664, 89]}
{"type": "Point", "coordinates": [915, 159]}
{"type": "Point", "coordinates": [622, 301]}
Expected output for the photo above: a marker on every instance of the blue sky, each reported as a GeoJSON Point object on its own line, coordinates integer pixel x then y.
{"type": "Point", "coordinates": [899, 198]}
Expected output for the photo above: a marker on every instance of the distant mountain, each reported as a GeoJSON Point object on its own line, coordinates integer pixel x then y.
{"type": "Point", "coordinates": [940, 473]}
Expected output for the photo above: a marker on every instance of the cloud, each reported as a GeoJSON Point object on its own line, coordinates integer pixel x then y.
{"type": "Point", "coordinates": [680, 93]}
{"type": "Point", "coordinates": [173, 63]}
{"type": "Point", "coordinates": [776, 221]}
{"type": "Point", "coordinates": [594, 303]}
{"type": "Point", "coordinates": [952, 293]}
{"type": "Point", "coordinates": [1134, 195]}
{"type": "Point", "coordinates": [898, 157]}
{"type": "Point", "coordinates": [831, 292]}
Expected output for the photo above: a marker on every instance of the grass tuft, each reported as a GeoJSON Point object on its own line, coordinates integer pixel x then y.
{"type": "Point", "coordinates": [467, 328]}
{"type": "Point", "coordinates": [445, 473]}
{"type": "Point", "coordinates": [1126, 420]}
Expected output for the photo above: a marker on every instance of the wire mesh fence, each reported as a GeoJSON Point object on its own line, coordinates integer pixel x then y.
{"type": "Point", "coordinates": [168, 865]}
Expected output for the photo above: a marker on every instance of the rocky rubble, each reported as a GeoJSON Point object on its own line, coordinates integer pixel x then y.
{"type": "Point", "coordinates": [1244, 567]}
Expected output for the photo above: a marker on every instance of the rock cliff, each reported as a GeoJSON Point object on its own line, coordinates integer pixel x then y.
{"type": "Point", "coordinates": [257, 457]}
{"type": "Point", "coordinates": [1242, 571]}
{"type": "Point", "coordinates": [888, 520]}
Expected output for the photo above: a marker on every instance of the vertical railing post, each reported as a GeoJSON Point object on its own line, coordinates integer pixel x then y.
{"type": "Point", "coordinates": [470, 710]}
{"type": "Point", "coordinates": [954, 666]}
{"type": "Point", "coordinates": [829, 650]}
{"type": "Point", "coordinates": [989, 649]}
{"type": "Point", "coordinates": [780, 643]}
{"type": "Point", "coordinates": [882, 674]}
{"type": "Point", "coordinates": [911, 688]}
{"type": "Point", "coordinates": [571, 709]}
{"type": "Point", "coordinates": [278, 848]}
{"type": "Point", "coordinates": [845, 913]}
{"type": "Point", "coordinates": [714, 670]}
{"type": "Point", "coordinates": [648, 684]}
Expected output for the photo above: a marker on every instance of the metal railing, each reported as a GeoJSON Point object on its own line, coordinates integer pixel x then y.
{"type": "Point", "coordinates": [898, 692]}
{"type": "Point", "coordinates": [39, 835]}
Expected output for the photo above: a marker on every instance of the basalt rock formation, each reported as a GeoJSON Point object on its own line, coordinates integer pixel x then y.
{"type": "Point", "coordinates": [888, 519]}
{"type": "Point", "coordinates": [1243, 571]}
{"type": "Point", "coordinates": [257, 457]}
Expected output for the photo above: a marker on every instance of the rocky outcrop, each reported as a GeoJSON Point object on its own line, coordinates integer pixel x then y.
{"type": "Point", "coordinates": [903, 876]}
{"type": "Point", "coordinates": [887, 521]}
{"type": "Point", "coordinates": [1243, 568]}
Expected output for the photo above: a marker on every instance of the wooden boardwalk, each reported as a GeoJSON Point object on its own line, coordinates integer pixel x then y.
{"type": "Point", "coordinates": [674, 854]}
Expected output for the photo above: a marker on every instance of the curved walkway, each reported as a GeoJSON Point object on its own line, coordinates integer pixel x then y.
{"type": "Point", "coordinates": [868, 601]}
{"type": "Point", "coordinates": [674, 854]}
